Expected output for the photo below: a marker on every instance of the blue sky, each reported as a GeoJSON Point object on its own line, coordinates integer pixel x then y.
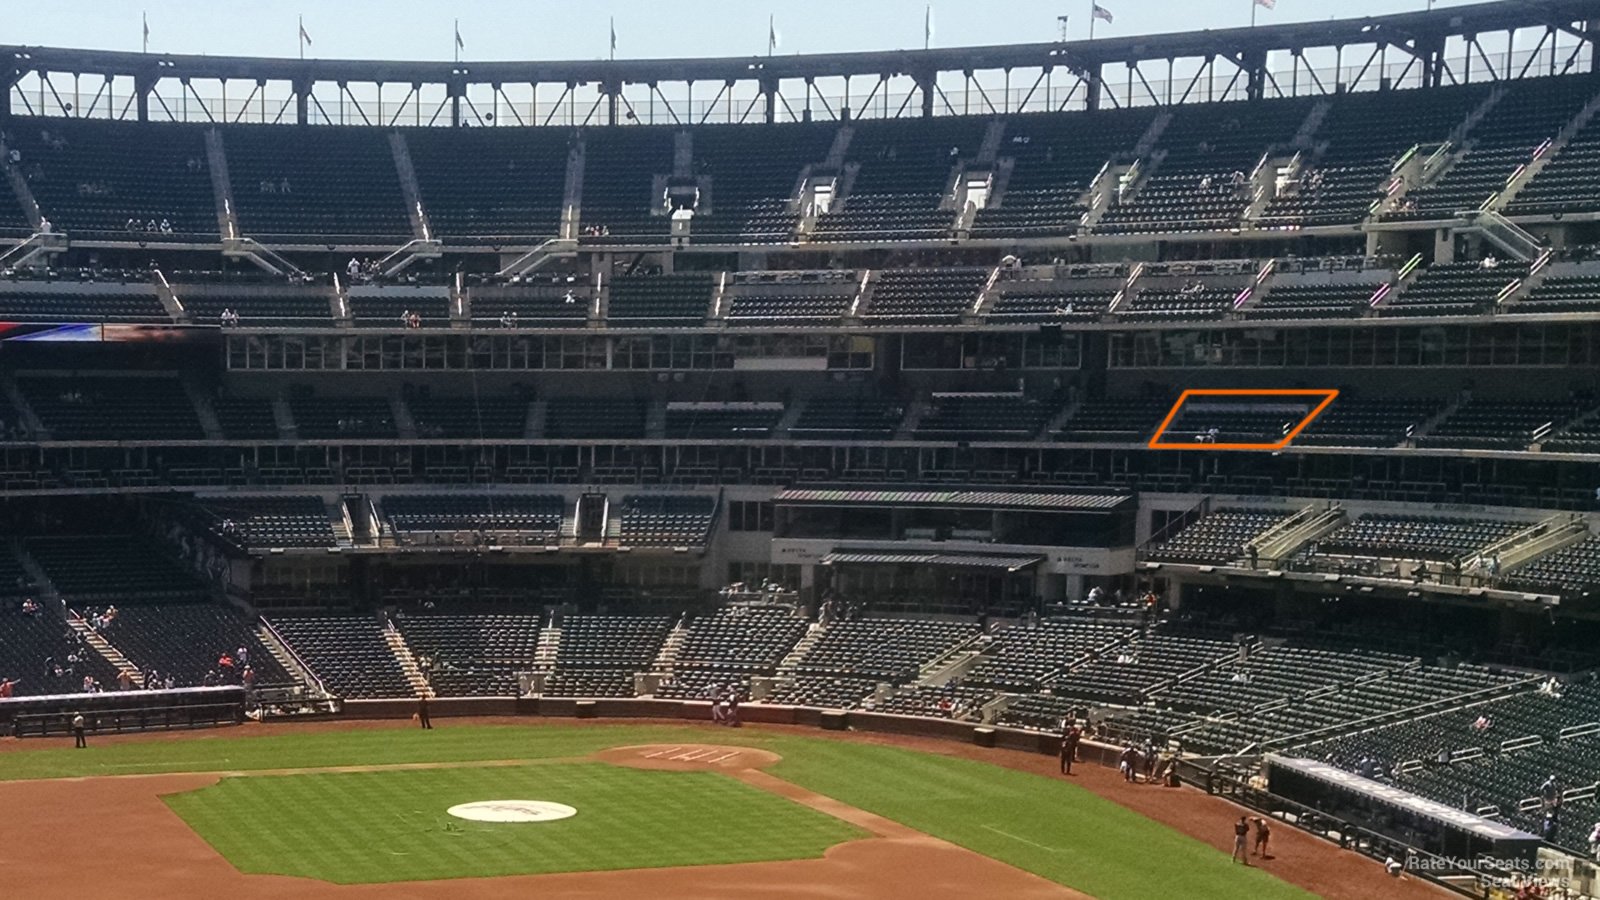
{"type": "Point", "coordinates": [577, 29]}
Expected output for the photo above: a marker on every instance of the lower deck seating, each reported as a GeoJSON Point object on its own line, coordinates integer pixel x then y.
{"type": "Point", "coordinates": [348, 653]}
{"type": "Point", "coordinates": [885, 649]}
{"type": "Point", "coordinates": [823, 691]}
{"type": "Point", "coordinates": [32, 647]}
{"type": "Point", "coordinates": [472, 655]}
{"type": "Point", "coordinates": [187, 641]}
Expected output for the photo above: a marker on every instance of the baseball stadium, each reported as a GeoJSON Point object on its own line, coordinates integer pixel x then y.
{"type": "Point", "coordinates": [1131, 454]}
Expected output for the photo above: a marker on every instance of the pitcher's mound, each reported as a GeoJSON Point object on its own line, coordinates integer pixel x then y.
{"type": "Point", "coordinates": [688, 757]}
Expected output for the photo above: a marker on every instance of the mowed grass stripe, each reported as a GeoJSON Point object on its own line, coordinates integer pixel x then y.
{"type": "Point", "coordinates": [1049, 827]}
{"type": "Point", "coordinates": [364, 827]}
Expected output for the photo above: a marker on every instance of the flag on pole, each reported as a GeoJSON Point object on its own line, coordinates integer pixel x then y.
{"type": "Point", "coordinates": [772, 35]}
{"type": "Point", "coordinates": [305, 36]}
{"type": "Point", "coordinates": [613, 36]}
{"type": "Point", "coordinates": [1103, 14]}
{"type": "Point", "coordinates": [460, 44]}
{"type": "Point", "coordinates": [144, 18]}
{"type": "Point", "coordinates": [927, 26]}
{"type": "Point", "coordinates": [1267, 4]}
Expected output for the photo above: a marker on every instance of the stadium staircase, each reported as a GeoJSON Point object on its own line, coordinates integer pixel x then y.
{"type": "Point", "coordinates": [169, 300]}
{"type": "Point", "coordinates": [863, 298]}
{"type": "Point", "coordinates": [1527, 172]}
{"type": "Point", "coordinates": [986, 297]}
{"type": "Point", "coordinates": [1426, 428]}
{"type": "Point", "coordinates": [290, 660]}
{"type": "Point", "coordinates": [47, 592]}
{"type": "Point", "coordinates": [24, 193]}
{"type": "Point", "coordinates": [21, 405]}
{"type": "Point", "coordinates": [955, 664]}
{"type": "Point", "coordinates": [407, 172]}
{"type": "Point", "coordinates": [404, 425]}
{"type": "Point", "coordinates": [283, 417]}
{"type": "Point", "coordinates": [221, 187]}
{"type": "Point", "coordinates": [408, 662]}
{"type": "Point", "coordinates": [667, 659]}
{"type": "Point", "coordinates": [655, 420]}
{"type": "Point", "coordinates": [1280, 542]}
{"type": "Point", "coordinates": [1547, 536]}
{"type": "Point", "coordinates": [1306, 134]}
{"type": "Point", "coordinates": [202, 406]}
{"type": "Point", "coordinates": [103, 647]}
{"type": "Point", "coordinates": [538, 413]}
{"type": "Point", "coordinates": [545, 652]}
{"type": "Point", "coordinates": [907, 429]}
{"type": "Point", "coordinates": [788, 665]}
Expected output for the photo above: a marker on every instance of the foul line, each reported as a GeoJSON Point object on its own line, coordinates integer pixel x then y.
{"type": "Point", "coordinates": [1022, 839]}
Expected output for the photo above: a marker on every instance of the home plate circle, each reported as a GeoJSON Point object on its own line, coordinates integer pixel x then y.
{"type": "Point", "coordinates": [512, 811]}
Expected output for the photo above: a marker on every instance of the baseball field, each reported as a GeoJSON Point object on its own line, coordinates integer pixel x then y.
{"type": "Point", "coordinates": [371, 810]}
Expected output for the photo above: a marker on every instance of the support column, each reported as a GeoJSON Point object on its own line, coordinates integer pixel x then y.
{"type": "Point", "coordinates": [302, 101]}
{"type": "Point", "coordinates": [1255, 67]}
{"type": "Point", "coordinates": [456, 88]}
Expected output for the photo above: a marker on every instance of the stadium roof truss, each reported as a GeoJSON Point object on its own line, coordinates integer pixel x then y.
{"type": "Point", "coordinates": [1424, 48]}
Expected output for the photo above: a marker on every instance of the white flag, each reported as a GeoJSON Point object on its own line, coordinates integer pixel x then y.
{"type": "Point", "coordinates": [1101, 13]}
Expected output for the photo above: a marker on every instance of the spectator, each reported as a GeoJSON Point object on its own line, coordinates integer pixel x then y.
{"type": "Point", "coordinates": [1393, 866]}
{"type": "Point", "coordinates": [1550, 792]}
{"type": "Point", "coordinates": [166, 226]}
{"type": "Point", "coordinates": [1594, 841]}
{"type": "Point", "coordinates": [353, 267]}
{"type": "Point", "coordinates": [8, 688]}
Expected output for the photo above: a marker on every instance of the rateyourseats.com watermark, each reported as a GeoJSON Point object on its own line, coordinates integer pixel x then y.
{"type": "Point", "coordinates": [1491, 868]}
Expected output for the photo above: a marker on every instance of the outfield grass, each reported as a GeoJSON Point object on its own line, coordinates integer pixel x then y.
{"type": "Point", "coordinates": [360, 827]}
{"type": "Point", "coordinates": [1047, 826]}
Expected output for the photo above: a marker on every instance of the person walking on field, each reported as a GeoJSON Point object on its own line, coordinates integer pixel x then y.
{"type": "Point", "coordinates": [77, 731]}
{"type": "Point", "coordinates": [1263, 833]}
{"type": "Point", "coordinates": [1241, 830]}
{"type": "Point", "coordinates": [422, 713]}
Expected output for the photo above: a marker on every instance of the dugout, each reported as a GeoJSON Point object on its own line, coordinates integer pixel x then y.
{"type": "Point", "coordinates": [123, 711]}
{"type": "Point", "coordinates": [1394, 813]}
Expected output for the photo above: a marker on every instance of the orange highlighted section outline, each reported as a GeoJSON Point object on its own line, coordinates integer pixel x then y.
{"type": "Point", "coordinates": [1326, 398]}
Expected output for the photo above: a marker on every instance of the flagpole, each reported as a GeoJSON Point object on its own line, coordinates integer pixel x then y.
{"type": "Point", "coordinates": [144, 19]}
{"type": "Point", "coordinates": [1253, 5]}
{"type": "Point", "coordinates": [771, 32]}
{"type": "Point", "coordinates": [300, 37]}
{"type": "Point", "coordinates": [1091, 19]}
{"type": "Point", "coordinates": [458, 40]}
{"type": "Point", "coordinates": [613, 38]}
{"type": "Point", "coordinates": [927, 26]}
